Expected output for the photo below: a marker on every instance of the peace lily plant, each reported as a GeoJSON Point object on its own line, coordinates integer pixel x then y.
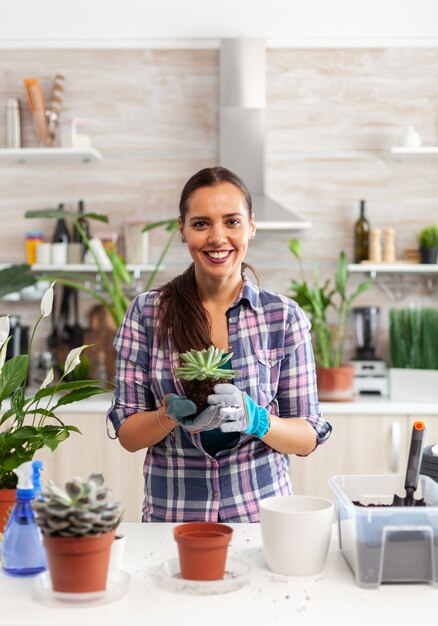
{"type": "Point", "coordinates": [31, 422]}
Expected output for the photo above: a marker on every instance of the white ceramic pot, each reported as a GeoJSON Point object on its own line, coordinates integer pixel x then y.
{"type": "Point", "coordinates": [296, 533]}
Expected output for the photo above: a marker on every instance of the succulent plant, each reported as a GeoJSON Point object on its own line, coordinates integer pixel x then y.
{"type": "Point", "coordinates": [203, 364]}
{"type": "Point", "coordinates": [202, 370]}
{"type": "Point", "coordinates": [82, 509]}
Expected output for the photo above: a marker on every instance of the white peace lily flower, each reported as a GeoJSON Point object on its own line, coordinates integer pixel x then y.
{"type": "Point", "coordinates": [73, 359]}
{"type": "Point", "coordinates": [3, 356]}
{"type": "Point", "coordinates": [47, 301]}
{"type": "Point", "coordinates": [48, 379]}
{"type": "Point", "coordinates": [4, 329]}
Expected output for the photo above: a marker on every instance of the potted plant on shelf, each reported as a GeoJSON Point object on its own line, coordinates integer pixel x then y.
{"type": "Point", "coordinates": [334, 378]}
{"type": "Point", "coordinates": [31, 421]}
{"type": "Point", "coordinates": [413, 372]}
{"type": "Point", "coordinates": [428, 239]}
{"type": "Point", "coordinates": [78, 526]}
{"type": "Point", "coordinates": [201, 371]}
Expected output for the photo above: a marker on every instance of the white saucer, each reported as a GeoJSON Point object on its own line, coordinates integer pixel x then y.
{"type": "Point", "coordinates": [117, 585]}
{"type": "Point", "coordinates": [237, 575]}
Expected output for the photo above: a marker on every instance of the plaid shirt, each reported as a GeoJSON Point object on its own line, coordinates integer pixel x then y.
{"type": "Point", "coordinates": [271, 345]}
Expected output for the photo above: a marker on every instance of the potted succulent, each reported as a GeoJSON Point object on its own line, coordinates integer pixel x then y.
{"type": "Point", "coordinates": [428, 239]}
{"type": "Point", "coordinates": [201, 371]}
{"type": "Point", "coordinates": [334, 378]}
{"type": "Point", "coordinates": [31, 421]}
{"type": "Point", "coordinates": [78, 526]}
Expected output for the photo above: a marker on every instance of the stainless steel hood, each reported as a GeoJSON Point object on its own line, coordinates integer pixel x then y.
{"type": "Point", "coordinates": [242, 127]}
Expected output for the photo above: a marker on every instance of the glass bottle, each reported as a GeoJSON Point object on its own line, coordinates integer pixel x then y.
{"type": "Point", "coordinates": [83, 222]}
{"type": "Point", "coordinates": [61, 234]}
{"type": "Point", "coordinates": [361, 236]}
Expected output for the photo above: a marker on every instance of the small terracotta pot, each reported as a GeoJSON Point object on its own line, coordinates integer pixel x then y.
{"type": "Point", "coordinates": [7, 501]}
{"type": "Point", "coordinates": [335, 384]}
{"type": "Point", "coordinates": [202, 549]}
{"type": "Point", "coordinates": [79, 564]}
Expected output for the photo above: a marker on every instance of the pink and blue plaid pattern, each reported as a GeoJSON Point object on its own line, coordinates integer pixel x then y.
{"type": "Point", "coordinates": [270, 339]}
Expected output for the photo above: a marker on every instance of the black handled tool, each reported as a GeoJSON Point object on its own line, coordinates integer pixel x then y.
{"type": "Point", "coordinates": [413, 468]}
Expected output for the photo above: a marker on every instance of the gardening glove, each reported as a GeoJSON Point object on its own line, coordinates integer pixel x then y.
{"type": "Point", "coordinates": [238, 412]}
{"type": "Point", "coordinates": [182, 410]}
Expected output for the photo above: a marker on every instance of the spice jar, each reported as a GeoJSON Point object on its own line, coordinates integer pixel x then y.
{"type": "Point", "coordinates": [33, 239]}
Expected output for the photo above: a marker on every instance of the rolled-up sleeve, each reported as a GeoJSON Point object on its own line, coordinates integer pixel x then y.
{"type": "Point", "coordinates": [297, 391]}
{"type": "Point", "coordinates": [132, 392]}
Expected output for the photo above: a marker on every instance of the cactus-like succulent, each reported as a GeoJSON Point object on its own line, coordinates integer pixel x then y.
{"type": "Point", "coordinates": [201, 370]}
{"type": "Point", "coordinates": [203, 364]}
{"type": "Point", "coordinates": [83, 509]}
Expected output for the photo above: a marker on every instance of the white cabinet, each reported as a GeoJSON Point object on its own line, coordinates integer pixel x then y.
{"type": "Point", "coordinates": [94, 452]}
{"type": "Point", "coordinates": [359, 444]}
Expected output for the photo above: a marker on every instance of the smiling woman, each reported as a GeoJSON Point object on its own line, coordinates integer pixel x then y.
{"type": "Point", "coordinates": [218, 464]}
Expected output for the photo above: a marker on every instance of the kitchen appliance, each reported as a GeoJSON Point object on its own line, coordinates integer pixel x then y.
{"type": "Point", "coordinates": [242, 127]}
{"type": "Point", "coordinates": [19, 342]}
{"type": "Point", "coordinates": [370, 372]}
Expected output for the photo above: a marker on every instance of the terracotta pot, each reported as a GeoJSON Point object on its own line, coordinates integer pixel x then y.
{"type": "Point", "coordinates": [202, 548]}
{"type": "Point", "coordinates": [7, 501]}
{"type": "Point", "coordinates": [79, 564]}
{"type": "Point", "coordinates": [335, 384]}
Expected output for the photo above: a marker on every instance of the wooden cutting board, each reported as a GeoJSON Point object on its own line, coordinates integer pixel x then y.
{"type": "Point", "coordinates": [101, 333]}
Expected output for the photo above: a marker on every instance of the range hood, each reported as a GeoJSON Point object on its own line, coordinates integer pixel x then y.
{"type": "Point", "coordinates": [242, 127]}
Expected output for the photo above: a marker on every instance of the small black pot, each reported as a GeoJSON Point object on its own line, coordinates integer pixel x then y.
{"type": "Point", "coordinates": [429, 255]}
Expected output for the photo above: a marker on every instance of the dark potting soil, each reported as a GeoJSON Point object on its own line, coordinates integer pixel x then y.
{"type": "Point", "coordinates": [420, 502]}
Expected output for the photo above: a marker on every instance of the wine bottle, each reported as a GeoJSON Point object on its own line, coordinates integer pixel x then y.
{"type": "Point", "coordinates": [61, 234]}
{"type": "Point", "coordinates": [83, 223]}
{"type": "Point", "coordinates": [361, 236]}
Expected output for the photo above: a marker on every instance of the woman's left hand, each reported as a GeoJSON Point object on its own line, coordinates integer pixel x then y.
{"type": "Point", "coordinates": [238, 412]}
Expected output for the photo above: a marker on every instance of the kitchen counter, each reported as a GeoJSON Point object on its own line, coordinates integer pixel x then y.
{"type": "Point", "coordinates": [361, 406]}
{"type": "Point", "coordinates": [330, 597]}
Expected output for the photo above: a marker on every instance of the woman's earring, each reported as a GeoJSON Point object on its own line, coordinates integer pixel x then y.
{"type": "Point", "coordinates": [183, 240]}
{"type": "Point", "coordinates": [252, 236]}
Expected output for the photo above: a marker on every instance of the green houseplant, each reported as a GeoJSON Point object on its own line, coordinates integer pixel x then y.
{"type": "Point", "coordinates": [114, 284]}
{"type": "Point", "coordinates": [428, 239]}
{"type": "Point", "coordinates": [201, 370]}
{"type": "Point", "coordinates": [31, 421]}
{"type": "Point", "coordinates": [413, 372]}
{"type": "Point", "coordinates": [78, 525]}
{"type": "Point", "coordinates": [328, 306]}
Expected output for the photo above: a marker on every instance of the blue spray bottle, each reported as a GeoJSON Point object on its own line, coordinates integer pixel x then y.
{"type": "Point", "coordinates": [22, 549]}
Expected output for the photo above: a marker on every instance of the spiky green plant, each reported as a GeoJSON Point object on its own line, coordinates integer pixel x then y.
{"type": "Point", "coordinates": [203, 364]}
{"type": "Point", "coordinates": [202, 370]}
{"type": "Point", "coordinates": [82, 509]}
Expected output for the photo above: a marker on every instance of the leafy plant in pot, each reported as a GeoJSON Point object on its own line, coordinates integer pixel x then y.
{"type": "Point", "coordinates": [201, 371]}
{"type": "Point", "coordinates": [428, 239]}
{"type": "Point", "coordinates": [31, 421]}
{"type": "Point", "coordinates": [334, 379]}
{"type": "Point", "coordinates": [78, 526]}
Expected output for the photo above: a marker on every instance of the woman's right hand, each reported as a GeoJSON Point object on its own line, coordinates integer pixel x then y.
{"type": "Point", "coordinates": [182, 410]}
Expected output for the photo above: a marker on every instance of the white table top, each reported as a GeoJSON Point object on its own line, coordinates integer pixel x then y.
{"type": "Point", "coordinates": [330, 597]}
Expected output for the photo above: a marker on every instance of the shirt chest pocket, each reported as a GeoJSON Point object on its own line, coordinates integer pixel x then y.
{"type": "Point", "coordinates": [269, 362]}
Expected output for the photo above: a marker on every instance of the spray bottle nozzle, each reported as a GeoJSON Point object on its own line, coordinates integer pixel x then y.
{"type": "Point", "coordinates": [29, 476]}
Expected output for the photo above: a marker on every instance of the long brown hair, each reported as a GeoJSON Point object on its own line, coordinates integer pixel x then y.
{"type": "Point", "coordinates": [182, 313]}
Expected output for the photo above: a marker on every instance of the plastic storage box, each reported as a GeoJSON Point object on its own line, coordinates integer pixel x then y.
{"type": "Point", "coordinates": [387, 544]}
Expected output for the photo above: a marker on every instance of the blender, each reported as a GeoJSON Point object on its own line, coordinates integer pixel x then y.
{"type": "Point", "coordinates": [370, 372]}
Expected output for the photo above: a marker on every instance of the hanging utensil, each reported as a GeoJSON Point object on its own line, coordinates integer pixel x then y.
{"type": "Point", "coordinates": [413, 468]}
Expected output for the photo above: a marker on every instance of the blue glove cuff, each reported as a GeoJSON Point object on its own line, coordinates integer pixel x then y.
{"type": "Point", "coordinates": [258, 418]}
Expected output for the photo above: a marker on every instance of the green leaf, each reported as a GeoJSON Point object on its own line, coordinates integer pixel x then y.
{"type": "Point", "coordinates": [74, 384]}
{"type": "Point", "coordinates": [78, 394]}
{"type": "Point", "coordinates": [171, 224]}
{"type": "Point", "coordinates": [58, 214]}
{"type": "Point", "coordinates": [341, 275]}
{"type": "Point", "coordinates": [13, 375]}
{"type": "Point", "coordinates": [15, 278]}
{"type": "Point", "coordinates": [6, 415]}
{"type": "Point", "coordinates": [26, 433]}
{"type": "Point", "coordinates": [295, 247]}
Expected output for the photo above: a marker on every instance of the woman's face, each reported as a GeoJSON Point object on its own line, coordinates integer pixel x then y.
{"type": "Point", "coordinates": [217, 229]}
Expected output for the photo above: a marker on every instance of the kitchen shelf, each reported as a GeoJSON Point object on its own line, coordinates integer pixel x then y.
{"type": "Point", "coordinates": [420, 151]}
{"type": "Point", "coordinates": [390, 277]}
{"type": "Point", "coordinates": [84, 268]}
{"type": "Point", "coordinates": [36, 155]}
{"type": "Point", "coordinates": [393, 268]}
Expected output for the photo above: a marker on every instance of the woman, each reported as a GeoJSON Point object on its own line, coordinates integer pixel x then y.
{"type": "Point", "coordinates": [218, 465]}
